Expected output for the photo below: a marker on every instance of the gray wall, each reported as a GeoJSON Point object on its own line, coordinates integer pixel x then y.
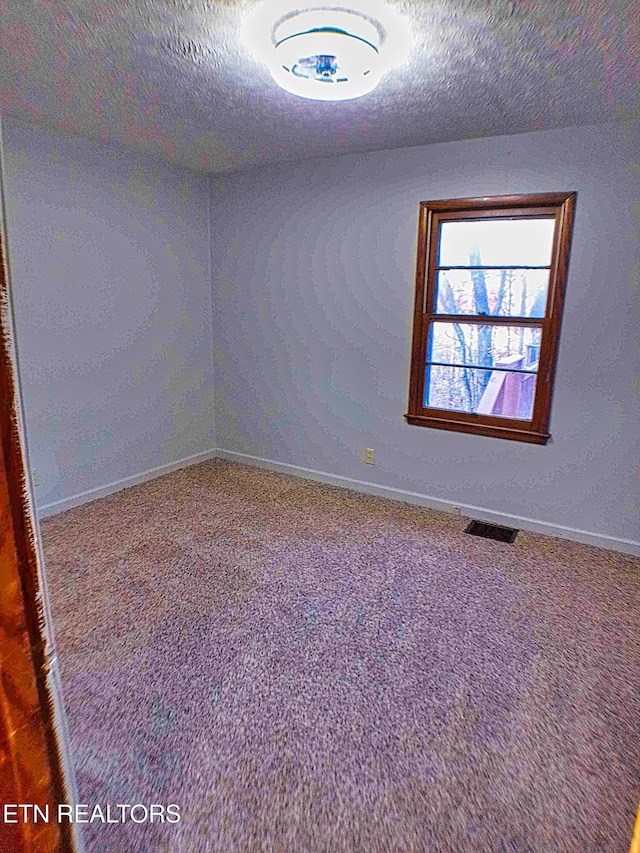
{"type": "Point", "coordinates": [313, 274]}
{"type": "Point", "coordinates": [111, 285]}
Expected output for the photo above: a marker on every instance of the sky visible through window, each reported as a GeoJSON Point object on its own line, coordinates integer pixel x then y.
{"type": "Point", "coordinates": [501, 242]}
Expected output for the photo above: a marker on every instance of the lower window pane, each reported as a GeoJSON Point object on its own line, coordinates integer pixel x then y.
{"type": "Point", "coordinates": [498, 393]}
{"type": "Point", "coordinates": [515, 347]}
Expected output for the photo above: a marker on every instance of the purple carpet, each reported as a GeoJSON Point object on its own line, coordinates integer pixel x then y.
{"type": "Point", "coordinates": [304, 669]}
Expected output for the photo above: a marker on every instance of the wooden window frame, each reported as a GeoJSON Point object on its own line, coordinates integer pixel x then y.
{"type": "Point", "coordinates": [560, 206]}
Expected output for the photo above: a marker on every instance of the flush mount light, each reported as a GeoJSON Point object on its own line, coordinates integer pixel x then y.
{"type": "Point", "coordinates": [327, 53]}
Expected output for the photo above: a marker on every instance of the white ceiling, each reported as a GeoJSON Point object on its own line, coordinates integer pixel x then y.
{"type": "Point", "coordinates": [172, 77]}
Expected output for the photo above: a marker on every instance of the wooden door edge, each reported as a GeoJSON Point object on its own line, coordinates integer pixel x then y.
{"type": "Point", "coordinates": [635, 841]}
{"type": "Point", "coordinates": [43, 725]}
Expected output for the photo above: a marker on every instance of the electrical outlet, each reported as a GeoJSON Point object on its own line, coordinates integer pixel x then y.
{"type": "Point", "coordinates": [368, 455]}
{"type": "Point", "coordinates": [34, 477]}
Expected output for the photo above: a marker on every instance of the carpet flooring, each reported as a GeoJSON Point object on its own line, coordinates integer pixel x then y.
{"type": "Point", "coordinates": [305, 669]}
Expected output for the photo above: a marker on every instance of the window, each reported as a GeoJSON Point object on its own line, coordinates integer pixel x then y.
{"type": "Point", "coordinates": [489, 291]}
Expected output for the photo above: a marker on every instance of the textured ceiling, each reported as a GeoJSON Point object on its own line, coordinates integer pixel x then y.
{"type": "Point", "coordinates": [172, 77]}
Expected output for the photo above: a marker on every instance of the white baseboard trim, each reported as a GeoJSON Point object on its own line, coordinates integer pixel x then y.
{"type": "Point", "coordinates": [600, 540]}
{"type": "Point", "coordinates": [111, 488]}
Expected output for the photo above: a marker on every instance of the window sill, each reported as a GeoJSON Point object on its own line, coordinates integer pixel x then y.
{"type": "Point", "coordinates": [479, 428]}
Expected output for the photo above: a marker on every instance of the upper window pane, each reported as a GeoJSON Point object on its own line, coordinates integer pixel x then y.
{"type": "Point", "coordinates": [496, 242]}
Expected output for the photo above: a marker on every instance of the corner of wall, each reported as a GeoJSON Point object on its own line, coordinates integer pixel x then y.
{"type": "Point", "coordinates": [213, 336]}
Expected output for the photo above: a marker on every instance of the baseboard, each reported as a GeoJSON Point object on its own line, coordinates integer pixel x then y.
{"type": "Point", "coordinates": [600, 540]}
{"type": "Point", "coordinates": [111, 488]}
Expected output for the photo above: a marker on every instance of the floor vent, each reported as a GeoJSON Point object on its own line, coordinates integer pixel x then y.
{"type": "Point", "coordinates": [492, 531]}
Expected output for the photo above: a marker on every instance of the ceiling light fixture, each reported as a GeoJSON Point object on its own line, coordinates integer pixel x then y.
{"type": "Point", "coordinates": [327, 53]}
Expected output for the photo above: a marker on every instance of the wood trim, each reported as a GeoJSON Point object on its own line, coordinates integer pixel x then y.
{"type": "Point", "coordinates": [635, 841]}
{"type": "Point", "coordinates": [485, 319]}
{"type": "Point", "coordinates": [533, 211]}
{"type": "Point", "coordinates": [503, 201]}
{"type": "Point", "coordinates": [555, 305]}
{"type": "Point", "coordinates": [440, 268]}
{"type": "Point", "coordinates": [492, 430]}
{"type": "Point", "coordinates": [560, 206]}
{"type": "Point", "coordinates": [416, 381]}
{"type": "Point", "coordinates": [30, 764]}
